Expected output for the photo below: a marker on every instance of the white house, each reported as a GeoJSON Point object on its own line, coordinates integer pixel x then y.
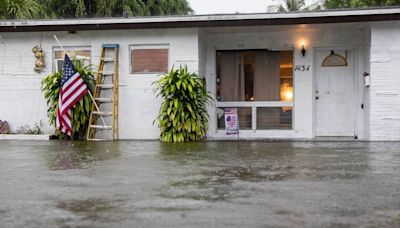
{"type": "Point", "coordinates": [292, 75]}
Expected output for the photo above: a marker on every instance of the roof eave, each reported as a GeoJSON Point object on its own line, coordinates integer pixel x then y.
{"type": "Point", "coordinates": [191, 22]}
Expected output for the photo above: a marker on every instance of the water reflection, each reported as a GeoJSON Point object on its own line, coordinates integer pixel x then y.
{"type": "Point", "coordinates": [220, 170]}
{"type": "Point", "coordinates": [89, 209]}
{"type": "Point", "coordinates": [80, 155]}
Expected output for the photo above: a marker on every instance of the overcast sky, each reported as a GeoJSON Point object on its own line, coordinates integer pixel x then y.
{"type": "Point", "coordinates": [230, 6]}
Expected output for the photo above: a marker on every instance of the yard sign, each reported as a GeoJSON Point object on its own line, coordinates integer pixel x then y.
{"type": "Point", "coordinates": [231, 121]}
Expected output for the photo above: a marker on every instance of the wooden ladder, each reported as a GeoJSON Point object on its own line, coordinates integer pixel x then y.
{"type": "Point", "coordinates": [106, 96]}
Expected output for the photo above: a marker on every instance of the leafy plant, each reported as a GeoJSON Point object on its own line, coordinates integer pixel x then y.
{"type": "Point", "coordinates": [51, 86]}
{"type": "Point", "coordinates": [19, 9]}
{"type": "Point", "coordinates": [183, 114]}
{"type": "Point", "coordinates": [116, 8]}
{"type": "Point", "coordinates": [300, 5]}
{"type": "Point", "coordinates": [30, 9]}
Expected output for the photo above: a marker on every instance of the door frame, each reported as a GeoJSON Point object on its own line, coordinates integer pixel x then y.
{"type": "Point", "coordinates": [356, 97]}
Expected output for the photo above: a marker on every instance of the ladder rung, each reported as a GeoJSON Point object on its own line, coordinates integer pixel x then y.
{"type": "Point", "coordinates": [98, 140]}
{"type": "Point", "coordinates": [107, 73]}
{"type": "Point", "coordinates": [103, 100]}
{"type": "Point", "coordinates": [108, 59]}
{"type": "Point", "coordinates": [105, 86]}
{"type": "Point", "coordinates": [102, 113]}
{"type": "Point", "coordinates": [101, 127]}
{"type": "Point", "coordinates": [110, 46]}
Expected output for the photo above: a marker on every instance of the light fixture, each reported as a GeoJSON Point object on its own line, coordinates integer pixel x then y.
{"type": "Point", "coordinates": [303, 50]}
{"type": "Point", "coordinates": [286, 93]}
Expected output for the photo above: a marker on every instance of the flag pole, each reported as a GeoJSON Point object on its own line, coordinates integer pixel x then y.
{"type": "Point", "coordinates": [90, 93]}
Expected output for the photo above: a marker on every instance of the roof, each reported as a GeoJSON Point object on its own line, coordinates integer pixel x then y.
{"type": "Point", "coordinates": [196, 21]}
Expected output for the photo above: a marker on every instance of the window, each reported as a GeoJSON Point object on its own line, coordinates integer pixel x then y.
{"type": "Point", "coordinates": [82, 54]}
{"type": "Point", "coordinates": [149, 59]}
{"type": "Point", "coordinates": [260, 84]}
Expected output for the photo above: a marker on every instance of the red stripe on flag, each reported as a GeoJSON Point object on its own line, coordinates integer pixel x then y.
{"type": "Point", "coordinates": [72, 83]}
{"type": "Point", "coordinates": [65, 99]}
{"type": "Point", "coordinates": [68, 115]}
{"type": "Point", "coordinates": [70, 92]}
{"type": "Point", "coordinates": [75, 100]}
{"type": "Point", "coordinates": [66, 125]}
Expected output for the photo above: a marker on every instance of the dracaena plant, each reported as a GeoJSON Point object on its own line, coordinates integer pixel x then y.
{"type": "Point", "coordinates": [183, 115]}
{"type": "Point", "coordinates": [51, 86]}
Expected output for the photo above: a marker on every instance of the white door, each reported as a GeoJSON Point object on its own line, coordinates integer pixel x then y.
{"type": "Point", "coordinates": [335, 96]}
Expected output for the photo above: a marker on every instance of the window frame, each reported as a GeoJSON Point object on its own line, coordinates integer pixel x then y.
{"type": "Point", "coordinates": [256, 104]}
{"type": "Point", "coordinates": [69, 48]}
{"type": "Point", "coordinates": [148, 46]}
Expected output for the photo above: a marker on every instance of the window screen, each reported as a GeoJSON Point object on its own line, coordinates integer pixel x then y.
{"type": "Point", "coordinates": [264, 76]}
{"type": "Point", "coordinates": [254, 76]}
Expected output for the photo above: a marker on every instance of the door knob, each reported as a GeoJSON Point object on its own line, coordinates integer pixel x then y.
{"type": "Point", "coordinates": [316, 97]}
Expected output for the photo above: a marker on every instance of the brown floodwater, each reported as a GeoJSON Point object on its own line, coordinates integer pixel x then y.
{"type": "Point", "coordinates": [210, 184]}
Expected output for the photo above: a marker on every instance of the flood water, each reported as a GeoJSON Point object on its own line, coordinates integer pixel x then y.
{"type": "Point", "coordinates": [211, 184]}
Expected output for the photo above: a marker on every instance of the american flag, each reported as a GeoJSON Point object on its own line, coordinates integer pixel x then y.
{"type": "Point", "coordinates": [73, 88]}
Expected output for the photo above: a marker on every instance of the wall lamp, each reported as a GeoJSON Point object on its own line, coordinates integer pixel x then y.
{"type": "Point", "coordinates": [303, 50]}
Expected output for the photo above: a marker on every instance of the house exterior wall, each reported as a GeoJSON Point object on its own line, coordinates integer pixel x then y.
{"type": "Point", "coordinates": [22, 102]}
{"type": "Point", "coordinates": [385, 81]}
{"type": "Point", "coordinates": [289, 38]}
{"type": "Point", "coordinates": [377, 47]}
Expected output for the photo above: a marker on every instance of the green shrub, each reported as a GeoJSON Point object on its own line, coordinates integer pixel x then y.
{"type": "Point", "coordinates": [51, 86]}
{"type": "Point", "coordinates": [183, 114]}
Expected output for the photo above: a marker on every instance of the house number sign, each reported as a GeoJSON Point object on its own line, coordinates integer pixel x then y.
{"type": "Point", "coordinates": [302, 68]}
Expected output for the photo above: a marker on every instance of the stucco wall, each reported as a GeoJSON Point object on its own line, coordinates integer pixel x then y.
{"type": "Point", "coordinates": [286, 38]}
{"type": "Point", "coordinates": [21, 101]}
{"type": "Point", "coordinates": [385, 81]}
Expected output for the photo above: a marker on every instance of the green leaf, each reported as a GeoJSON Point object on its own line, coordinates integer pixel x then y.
{"type": "Point", "coordinates": [189, 107]}
{"type": "Point", "coordinates": [87, 106]}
